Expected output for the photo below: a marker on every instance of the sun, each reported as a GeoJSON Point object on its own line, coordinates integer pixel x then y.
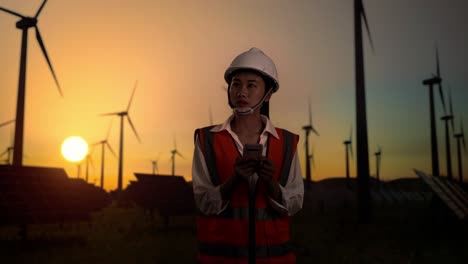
{"type": "Point", "coordinates": [74, 148]}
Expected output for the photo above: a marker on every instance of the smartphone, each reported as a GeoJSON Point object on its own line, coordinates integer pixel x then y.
{"type": "Point", "coordinates": [252, 151]}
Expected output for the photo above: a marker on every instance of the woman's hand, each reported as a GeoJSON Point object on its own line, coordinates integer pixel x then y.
{"type": "Point", "coordinates": [244, 167]}
{"type": "Point", "coordinates": [266, 169]}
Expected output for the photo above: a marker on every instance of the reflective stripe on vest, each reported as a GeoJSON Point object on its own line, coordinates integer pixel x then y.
{"type": "Point", "coordinates": [227, 234]}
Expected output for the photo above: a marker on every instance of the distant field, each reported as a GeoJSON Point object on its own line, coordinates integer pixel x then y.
{"type": "Point", "coordinates": [128, 235]}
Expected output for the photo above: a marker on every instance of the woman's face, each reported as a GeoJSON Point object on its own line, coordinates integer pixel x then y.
{"type": "Point", "coordinates": [246, 89]}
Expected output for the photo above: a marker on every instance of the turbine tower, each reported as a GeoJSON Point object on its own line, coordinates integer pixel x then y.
{"type": "Point", "coordinates": [460, 137]}
{"type": "Point", "coordinates": [348, 148]}
{"type": "Point", "coordinates": [446, 118]}
{"type": "Point", "coordinates": [103, 144]}
{"type": "Point", "coordinates": [122, 115]}
{"type": "Point", "coordinates": [363, 190]}
{"type": "Point", "coordinates": [173, 153]}
{"type": "Point", "coordinates": [24, 24]}
{"type": "Point", "coordinates": [378, 155]}
{"type": "Point", "coordinates": [307, 129]}
{"type": "Point", "coordinates": [89, 160]}
{"type": "Point", "coordinates": [155, 164]}
{"type": "Point", "coordinates": [435, 80]}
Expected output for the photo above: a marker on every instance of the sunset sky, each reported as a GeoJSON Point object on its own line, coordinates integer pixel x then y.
{"type": "Point", "coordinates": [178, 51]}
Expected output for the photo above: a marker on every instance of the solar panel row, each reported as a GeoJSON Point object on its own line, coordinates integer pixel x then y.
{"type": "Point", "coordinates": [449, 192]}
{"type": "Point", "coordinates": [36, 195]}
{"type": "Point", "coordinates": [169, 195]}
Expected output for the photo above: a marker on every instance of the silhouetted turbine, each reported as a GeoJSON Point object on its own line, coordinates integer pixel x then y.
{"type": "Point", "coordinates": [103, 144]}
{"type": "Point", "coordinates": [348, 147]}
{"type": "Point", "coordinates": [307, 128]}
{"type": "Point", "coordinates": [435, 80]}
{"type": "Point", "coordinates": [122, 115]}
{"type": "Point", "coordinates": [460, 137]}
{"type": "Point", "coordinates": [173, 153]}
{"type": "Point", "coordinates": [24, 24]}
{"type": "Point", "coordinates": [448, 151]}
{"type": "Point", "coordinates": [363, 191]}
{"type": "Point", "coordinates": [377, 162]}
{"type": "Point", "coordinates": [89, 160]}
{"type": "Point", "coordinates": [9, 150]}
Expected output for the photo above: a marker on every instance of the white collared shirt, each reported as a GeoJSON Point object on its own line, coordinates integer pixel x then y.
{"type": "Point", "coordinates": [208, 197]}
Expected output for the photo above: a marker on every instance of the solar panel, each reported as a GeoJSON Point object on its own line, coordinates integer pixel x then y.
{"type": "Point", "coordinates": [453, 197]}
{"type": "Point", "coordinates": [37, 195]}
{"type": "Point", "coordinates": [170, 195]}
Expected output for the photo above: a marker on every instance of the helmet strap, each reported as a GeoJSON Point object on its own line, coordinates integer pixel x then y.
{"type": "Point", "coordinates": [243, 111]}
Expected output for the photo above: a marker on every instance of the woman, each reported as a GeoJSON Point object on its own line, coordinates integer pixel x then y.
{"type": "Point", "coordinates": [225, 181]}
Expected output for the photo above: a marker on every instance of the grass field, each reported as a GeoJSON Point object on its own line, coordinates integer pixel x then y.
{"type": "Point", "coordinates": [129, 235]}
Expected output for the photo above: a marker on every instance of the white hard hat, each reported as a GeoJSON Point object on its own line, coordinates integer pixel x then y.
{"type": "Point", "coordinates": [254, 59]}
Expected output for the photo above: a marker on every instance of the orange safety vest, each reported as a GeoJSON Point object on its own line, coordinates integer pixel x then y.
{"type": "Point", "coordinates": [224, 238]}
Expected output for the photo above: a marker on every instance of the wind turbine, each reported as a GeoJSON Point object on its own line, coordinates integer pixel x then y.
{"type": "Point", "coordinates": [377, 161]}
{"type": "Point", "coordinates": [155, 165]}
{"type": "Point", "coordinates": [348, 148]}
{"type": "Point", "coordinates": [448, 152]}
{"type": "Point", "coordinates": [103, 144]}
{"type": "Point", "coordinates": [173, 153]}
{"type": "Point", "coordinates": [122, 115]}
{"type": "Point", "coordinates": [8, 153]}
{"type": "Point", "coordinates": [435, 80]}
{"type": "Point", "coordinates": [24, 24]}
{"type": "Point", "coordinates": [89, 160]}
{"type": "Point", "coordinates": [307, 129]}
{"type": "Point", "coordinates": [9, 149]}
{"type": "Point", "coordinates": [460, 137]}
{"type": "Point", "coordinates": [363, 190]}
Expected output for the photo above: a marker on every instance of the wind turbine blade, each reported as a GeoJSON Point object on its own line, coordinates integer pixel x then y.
{"type": "Point", "coordinates": [463, 135]}
{"type": "Point", "coordinates": [351, 150]}
{"type": "Point", "coordinates": [133, 93]}
{"type": "Point", "coordinates": [351, 134]}
{"type": "Point", "coordinates": [110, 148]}
{"type": "Point", "coordinates": [315, 131]}
{"type": "Point", "coordinates": [133, 128]}
{"type": "Point", "coordinates": [12, 12]}
{"type": "Point", "coordinates": [463, 142]}
{"type": "Point", "coordinates": [7, 122]}
{"type": "Point", "coordinates": [310, 112]}
{"type": "Point", "coordinates": [437, 61]}
{"type": "Point", "coordinates": [363, 13]}
{"type": "Point", "coordinates": [440, 84]}
{"type": "Point", "coordinates": [4, 152]}
{"type": "Point", "coordinates": [91, 161]}
{"type": "Point", "coordinates": [451, 109]}
{"type": "Point", "coordinates": [109, 129]}
{"type": "Point", "coordinates": [40, 9]}
{"type": "Point", "coordinates": [180, 155]}
{"type": "Point", "coordinates": [107, 114]}
{"type": "Point", "coordinates": [44, 51]}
